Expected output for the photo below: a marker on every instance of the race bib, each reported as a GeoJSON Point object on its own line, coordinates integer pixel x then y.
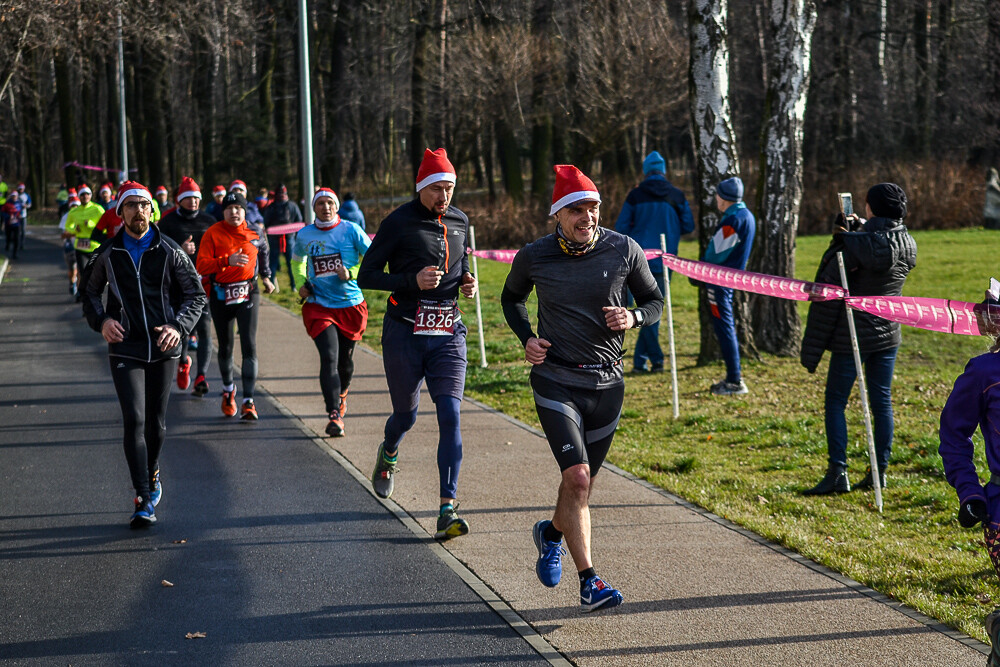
{"type": "Point", "coordinates": [327, 265]}
{"type": "Point", "coordinates": [236, 293]}
{"type": "Point", "coordinates": [82, 243]}
{"type": "Point", "coordinates": [435, 318]}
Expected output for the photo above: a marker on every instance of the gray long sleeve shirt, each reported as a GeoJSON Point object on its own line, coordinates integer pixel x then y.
{"type": "Point", "coordinates": [572, 292]}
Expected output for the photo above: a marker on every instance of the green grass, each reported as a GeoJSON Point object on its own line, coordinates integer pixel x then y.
{"type": "Point", "coordinates": [748, 458]}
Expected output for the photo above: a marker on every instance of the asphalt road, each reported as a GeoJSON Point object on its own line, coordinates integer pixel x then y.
{"type": "Point", "coordinates": [275, 552]}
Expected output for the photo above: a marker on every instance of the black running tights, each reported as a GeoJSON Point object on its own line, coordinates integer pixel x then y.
{"type": "Point", "coordinates": [225, 317]}
{"type": "Point", "coordinates": [143, 391]}
{"type": "Point", "coordinates": [336, 365]}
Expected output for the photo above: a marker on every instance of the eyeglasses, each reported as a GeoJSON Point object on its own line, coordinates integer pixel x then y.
{"type": "Point", "coordinates": [141, 204]}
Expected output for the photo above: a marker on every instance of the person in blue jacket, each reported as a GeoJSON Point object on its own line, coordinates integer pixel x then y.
{"type": "Point", "coordinates": [350, 210]}
{"type": "Point", "coordinates": [975, 403]}
{"type": "Point", "coordinates": [652, 208]}
{"type": "Point", "coordinates": [730, 247]}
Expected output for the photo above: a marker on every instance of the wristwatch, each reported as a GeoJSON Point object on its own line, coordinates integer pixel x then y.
{"type": "Point", "coordinates": [637, 314]}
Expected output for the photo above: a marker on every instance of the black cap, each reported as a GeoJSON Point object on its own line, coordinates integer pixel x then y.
{"type": "Point", "coordinates": [234, 198]}
{"type": "Point", "coordinates": [887, 200]}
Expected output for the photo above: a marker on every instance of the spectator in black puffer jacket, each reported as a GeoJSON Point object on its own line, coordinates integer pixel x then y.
{"type": "Point", "coordinates": [878, 255]}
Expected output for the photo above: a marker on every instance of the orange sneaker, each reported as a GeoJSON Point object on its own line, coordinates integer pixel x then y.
{"type": "Point", "coordinates": [229, 403]}
{"type": "Point", "coordinates": [248, 412]}
{"type": "Point", "coordinates": [335, 428]}
{"type": "Point", "coordinates": [343, 404]}
{"type": "Point", "coordinates": [184, 373]}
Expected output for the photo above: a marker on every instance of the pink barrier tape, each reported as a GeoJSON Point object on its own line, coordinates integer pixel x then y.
{"type": "Point", "coordinates": [505, 256]}
{"type": "Point", "coordinates": [758, 283]}
{"type": "Point", "coordinates": [287, 228]}
{"type": "Point", "coordinates": [90, 167]}
{"type": "Point", "coordinates": [946, 315]}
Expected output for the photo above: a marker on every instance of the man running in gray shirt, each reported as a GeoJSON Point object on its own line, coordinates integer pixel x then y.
{"type": "Point", "coordinates": [581, 274]}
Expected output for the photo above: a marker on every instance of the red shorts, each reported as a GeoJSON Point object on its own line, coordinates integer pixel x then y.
{"type": "Point", "coordinates": [351, 320]}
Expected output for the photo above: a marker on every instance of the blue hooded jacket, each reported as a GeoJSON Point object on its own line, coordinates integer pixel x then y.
{"type": "Point", "coordinates": [350, 210]}
{"type": "Point", "coordinates": [652, 208]}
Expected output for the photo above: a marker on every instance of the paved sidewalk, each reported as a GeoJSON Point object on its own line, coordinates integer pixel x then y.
{"type": "Point", "coordinates": [698, 590]}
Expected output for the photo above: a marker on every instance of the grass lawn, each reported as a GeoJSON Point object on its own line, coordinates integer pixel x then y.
{"type": "Point", "coordinates": [748, 458]}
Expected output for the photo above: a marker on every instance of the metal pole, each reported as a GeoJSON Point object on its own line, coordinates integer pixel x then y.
{"type": "Point", "coordinates": [305, 103]}
{"type": "Point", "coordinates": [863, 389]}
{"type": "Point", "coordinates": [670, 329]}
{"type": "Point", "coordinates": [123, 176]}
{"type": "Point", "coordinates": [479, 308]}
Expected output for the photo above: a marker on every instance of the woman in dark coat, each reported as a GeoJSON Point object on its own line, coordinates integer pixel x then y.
{"type": "Point", "coordinates": [878, 255]}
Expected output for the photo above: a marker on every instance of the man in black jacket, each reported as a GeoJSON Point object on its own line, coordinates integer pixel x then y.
{"type": "Point", "coordinates": [878, 255]}
{"type": "Point", "coordinates": [186, 224]}
{"type": "Point", "coordinates": [154, 299]}
{"type": "Point", "coordinates": [281, 212]}
{"type": "Point", "coordinates": [423, 243]}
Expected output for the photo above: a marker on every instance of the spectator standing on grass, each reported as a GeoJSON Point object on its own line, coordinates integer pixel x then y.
{"type": "Point", "coordinates": [975, 403]}
{"type": "Point", "coordinates": [878, 255]}
{"type": "Point", "coordinates": [730, 247]}
{"type": "Point", "coordinates": [281, 212]}
{"type": "Point", "coordinates": [653, 208]}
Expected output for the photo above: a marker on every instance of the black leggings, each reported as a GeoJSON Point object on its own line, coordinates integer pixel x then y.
{"type": "Point", "coordinates": [225, 317]}
{"type": "Point", "coordinates": [204, 352]}
{"type": "Point", "coordinates": [143, 391]}
{"type": "Point", "coordinates": [578, 423]}
{"type": "Point", "coordinates": [336, 365]}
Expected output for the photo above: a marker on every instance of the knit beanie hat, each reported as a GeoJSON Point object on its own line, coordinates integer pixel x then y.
{"type": "Point", "coordinates": [130, 189]}
{"type": "Point", "coordinates": [234, 197]}
{"type": "Point", "coordinates": [887, 200]}
{"type": "Point", "coordinates": [188, 188]}
{"type": "Point", "coordinates": [571, 186]}
{"type": "Point", "coordinates": [730, 189]}
{"type": "Point", "coordinates": [435, 167]}
{"type": "Point", "coordinates": [654, 164]}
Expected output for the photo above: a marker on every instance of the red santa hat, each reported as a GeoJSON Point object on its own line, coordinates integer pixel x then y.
{"type": "Point", "coordinates": [73, 200]}
{"type": "Point", "coordinates": [327, 192]}
{"type": "Point", "coordinates": [238, 184]}
{"type": "Point", "coordinates": [219, 190]}
{"type": "Point", "coordinates": [106, 188]}
{"type": "Point", "coordinates": [433, 168]}
{"type": "Point", "coordinates": [84, 188]}
{"type": "Point", "coordinates": [572, 186]}
{"type": "Point", "coordinates": [71, 192]}
{"type": "Point", "coordinates": [130, 189]}
{"type": "Point", "coordinates": [162, 190]}
{"type": "Point", "coordinates": [188, 188]}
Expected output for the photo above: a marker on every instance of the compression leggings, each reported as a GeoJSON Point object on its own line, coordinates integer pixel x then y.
{"type": "Point", "coordinates": [143, 391]}
{"type": "Point", "coordinates": [225, 317]}
{"type": "Point", "coordinates": [449, 454]}
{"type": "Point", "coordinates": [336, 365]}
{"type": "Point", "coordinates": [204, 352]}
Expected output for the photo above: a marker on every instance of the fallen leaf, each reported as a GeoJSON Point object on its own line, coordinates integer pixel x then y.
{"type": "Point", "coordinates": [829, 538]}
{"type": "Point", "coordinates": [762, 500]}
{"type": "Point", "coordinates": [195, 635]}
{"type": "Point", "coordinates": [180, 541]}
{"type": "Point", "coordinates": [166, 584]}
{"type": "Point", "coordinates": [509, 442]}
{"type": "Point", "coordinates": [983, 598]}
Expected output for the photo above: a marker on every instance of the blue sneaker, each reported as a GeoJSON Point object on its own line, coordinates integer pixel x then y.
{"type": "Point", "coordinates": [548, 567]}
{"type": "Point", "coordinates": [156, 490]}
{"type": "Point", "coordinates": [596, 594]}
{"type": "Point", "coordinates": [144, 515]}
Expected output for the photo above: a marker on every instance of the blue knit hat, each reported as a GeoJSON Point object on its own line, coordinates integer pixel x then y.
{"type": "Point", "coordinates": [730, 189]}
{"type": "Point", "coordinates": [654, 164]}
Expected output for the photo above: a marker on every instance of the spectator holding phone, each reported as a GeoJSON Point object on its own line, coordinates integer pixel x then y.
{"type": "Point", "coordinates": [878, 255]}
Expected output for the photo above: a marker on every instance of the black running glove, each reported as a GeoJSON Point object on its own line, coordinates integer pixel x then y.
{"type": "Point", "coordinates": [972, 512]}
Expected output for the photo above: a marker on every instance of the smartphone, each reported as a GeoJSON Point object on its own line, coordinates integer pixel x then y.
{"type": "Point", "coordinates": [846, 206]}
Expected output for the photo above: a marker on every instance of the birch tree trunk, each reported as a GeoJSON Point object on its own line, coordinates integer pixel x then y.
{"type": "Point", "coordinates": [714, 142]}
{"type": "Point", "coordinates": [776, 321]}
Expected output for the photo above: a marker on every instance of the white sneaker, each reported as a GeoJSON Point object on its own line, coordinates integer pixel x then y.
{"type": "Point", "coordinates": [730, 388]}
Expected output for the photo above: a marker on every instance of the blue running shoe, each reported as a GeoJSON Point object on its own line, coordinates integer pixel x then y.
{"type": "Point", "coordinates": [596, 594]}
{"type": "Point", "coordinates": [548, 567]}
{"type": "Point", "coordinates": [144, 515]}
{"type": "Point", "coordinates": [155, 489]}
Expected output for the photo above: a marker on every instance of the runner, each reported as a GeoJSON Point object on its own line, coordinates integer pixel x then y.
{"type": "Point", "coordinates": [231, 254]}
{"type": "Point", "coordinates": [214, 207]}
{"type": "Point", "coordinates": [80, 225]}
{"type": "Point", "coordinates": [425, 244]}
{"type": "Point", "coordinates": [186, 224]}
{"type": "Point", "coordinates": [153, 301]}
{"type": "Point", "coordinates": [326, 258]}
{"type": "Point", "coordinates": [69, 254]}
{"type": "Point", "coordinates": [580, 274]}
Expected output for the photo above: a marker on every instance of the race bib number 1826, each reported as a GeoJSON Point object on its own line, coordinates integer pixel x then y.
{"type": "Point", "coordinates": [435, 318]}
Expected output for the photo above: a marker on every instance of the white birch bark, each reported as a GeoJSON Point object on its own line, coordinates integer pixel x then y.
{"type": "Point", "coordinates": [776, 321]}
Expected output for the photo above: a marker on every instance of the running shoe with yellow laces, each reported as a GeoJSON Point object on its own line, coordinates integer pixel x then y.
{"type": "Point", "coordinates": [449, 524]}
{"type": "Point", "coordinates": [229, 403]}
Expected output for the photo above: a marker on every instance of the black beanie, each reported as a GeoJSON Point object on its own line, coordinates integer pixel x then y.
{"type": "Point", "coordinates": [887, 200]}
{"type": "Point", "coordinates": [234, 198]}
